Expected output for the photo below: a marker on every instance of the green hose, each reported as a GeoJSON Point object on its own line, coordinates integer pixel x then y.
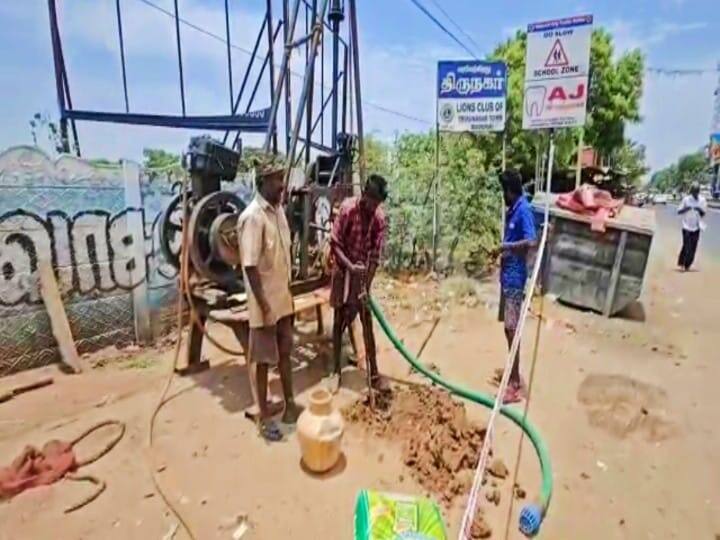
{"type": "Point", "coordinates": [483, 399]}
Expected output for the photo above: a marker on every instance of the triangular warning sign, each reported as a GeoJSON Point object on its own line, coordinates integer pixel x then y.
{"type": "Point", "coordinates": [557, 56]}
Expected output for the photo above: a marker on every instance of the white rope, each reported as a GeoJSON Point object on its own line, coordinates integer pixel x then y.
{"type": "Point", "coordinates": [471, 507]}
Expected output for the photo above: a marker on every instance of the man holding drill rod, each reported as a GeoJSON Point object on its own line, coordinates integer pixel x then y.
{"type": "Point", "coordinates": [357, 239]}
{"type": "Point", "coordinates": [264, 240]}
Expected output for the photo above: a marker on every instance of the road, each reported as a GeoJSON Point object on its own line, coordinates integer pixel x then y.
{"type": "Point", "coordinates": [709, 241]}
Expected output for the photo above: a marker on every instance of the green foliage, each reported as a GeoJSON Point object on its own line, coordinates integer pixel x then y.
{"type": "Point", "coordinates": [46, 134]}
{"type": "Point", "coordinates": [615, 92]}
{"type": "Point", "coordinates": [679, 176]}
{"type": "Point", "coordinates": [630, 158]}
{"type": "Point", "coordinates": [469, 198]}
{"type": "Point", "coordinates": [156, 158]}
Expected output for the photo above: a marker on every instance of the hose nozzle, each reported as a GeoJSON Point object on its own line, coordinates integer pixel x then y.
{"type": "Point", "coordinates": [531, 517]}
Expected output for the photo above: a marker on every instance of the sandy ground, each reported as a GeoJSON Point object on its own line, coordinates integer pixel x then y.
{"type": "Point", "coordinates": [625, 405]}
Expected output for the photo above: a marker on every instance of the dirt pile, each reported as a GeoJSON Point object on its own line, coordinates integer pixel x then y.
{"type": "Point", "coordinates": [439, 444]}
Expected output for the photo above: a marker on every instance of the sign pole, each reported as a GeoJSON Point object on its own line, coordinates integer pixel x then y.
{"type": "Point", "coordinates": [436, 202]}
{"type": "Point", "coordinates": [578, 171]}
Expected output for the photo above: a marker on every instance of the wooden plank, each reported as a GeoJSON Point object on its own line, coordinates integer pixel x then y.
{"type": "Point", "coordinates": [58, 318]}
{"type": "Point", "coordinates": [615, 275]}
{"type": "Point", "coordinates": [136, 230]}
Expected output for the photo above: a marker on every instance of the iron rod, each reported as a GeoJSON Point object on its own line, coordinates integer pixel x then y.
{"type": "Point", "coordinates": [346, 72]}
{"type": "Point", "coordinates": [283, 71]}
{"type": "Point", "coordinates": [311, 71]}
{"type": "Point", "coordinates": [236, 105]}
{"type": "Point", "coordinates": [271, 56]}
{"type": "Point", "coordinates": [122, 54]}
{"type": "Point", "coordinates": [304, 95]}
{"type": "Point", "coordinates": [255, 89]}
{"type": "Point", "coordinates": [229, 56]}
{"type": "Point", "coordinates": [55, 38]}
{"type": "Point", "coordinates": [335, 69]}
{"type": "Point", "coordinates": [358, 95]}
{"type": "Point", "coordinates": [322, 84]}
{"type": "Point", "coordinates": [179, 53]}
{"type": "Point", "coordinates": [288, 93]}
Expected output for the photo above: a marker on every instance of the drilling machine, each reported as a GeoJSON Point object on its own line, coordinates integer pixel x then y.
{"type": "Point", "coordinates": [214, 279]}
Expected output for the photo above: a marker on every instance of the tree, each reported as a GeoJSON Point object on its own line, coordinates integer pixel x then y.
{"type": "Point", "coordinates": [46, 134]}
{"type": "Point", "coordinates": [678, 176]}
{"type": "Point", "coordinates": [157, 158]}
{"type": "Point", "coordinates": [630, 159]}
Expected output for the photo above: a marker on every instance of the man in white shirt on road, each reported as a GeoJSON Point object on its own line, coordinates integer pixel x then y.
{"type": "Point", "coordinates": [692, 209]}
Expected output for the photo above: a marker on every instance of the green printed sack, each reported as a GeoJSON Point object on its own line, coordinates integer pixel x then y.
{"type": "Point", "coordinates": [385, 516]}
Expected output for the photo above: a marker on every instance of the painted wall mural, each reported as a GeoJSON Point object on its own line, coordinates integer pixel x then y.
{"type": "Point", "coordinates": [78, 217]}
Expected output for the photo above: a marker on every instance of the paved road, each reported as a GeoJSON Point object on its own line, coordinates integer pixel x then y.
{"type": "Point", "coordinates": [669, 223]}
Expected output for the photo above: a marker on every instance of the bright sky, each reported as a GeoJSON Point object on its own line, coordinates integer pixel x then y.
{"type": "Point", "coordinates": [399, 51]}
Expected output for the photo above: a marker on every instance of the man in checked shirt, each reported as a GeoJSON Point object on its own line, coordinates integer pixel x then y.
{"type": "Point", "coordinates": [357, 240]}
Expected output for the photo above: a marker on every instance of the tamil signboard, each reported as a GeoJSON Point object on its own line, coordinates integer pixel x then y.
{"type": "Point", "coordinates": [715, 149]}
{"type": "Point", "coordinates": [471, 96]}
{"type": "Point", "coordinates": [557, 64]}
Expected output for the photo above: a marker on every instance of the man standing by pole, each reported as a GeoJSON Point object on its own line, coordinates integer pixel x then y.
{"type": "Point", "coordinates": [692, 209]}
{"type": "Point", "coordinates": [519, 238]}
{"type": "Point", "coordinates": [264, 239]}
{"type": "Point", "coordinates": [357, 240]}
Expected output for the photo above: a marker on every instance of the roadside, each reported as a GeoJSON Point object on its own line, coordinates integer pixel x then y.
{"type": "Point", "coordinates": [626, 408]}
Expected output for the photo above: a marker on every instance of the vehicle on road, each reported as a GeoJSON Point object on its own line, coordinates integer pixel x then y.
{"type": "Point", "coordinates": [660, 198]}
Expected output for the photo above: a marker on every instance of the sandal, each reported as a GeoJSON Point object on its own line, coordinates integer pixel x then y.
{"type": "Point", "coordinates": [270, 431]}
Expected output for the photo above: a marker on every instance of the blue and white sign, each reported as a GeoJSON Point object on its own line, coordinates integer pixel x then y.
{"type": "Point", "coordinates": [471, 96]}
{"type": "Point", "coordinates": [557, 64]}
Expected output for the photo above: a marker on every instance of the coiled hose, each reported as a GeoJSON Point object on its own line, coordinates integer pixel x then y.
{"type": "Point", "coordinates": [482, 399]}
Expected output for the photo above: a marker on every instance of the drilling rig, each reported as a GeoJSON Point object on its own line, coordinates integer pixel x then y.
{"type": "Point", "coordinates": [322, 130]}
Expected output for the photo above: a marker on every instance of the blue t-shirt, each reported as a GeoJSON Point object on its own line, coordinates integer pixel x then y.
{"type": "Point", "coordinates": [519, 225]}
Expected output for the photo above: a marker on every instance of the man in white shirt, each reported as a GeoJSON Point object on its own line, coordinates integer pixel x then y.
{"type": "Point", "coordinates": [692, 209]}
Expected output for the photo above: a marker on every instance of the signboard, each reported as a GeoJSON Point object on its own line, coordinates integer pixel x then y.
{"type": "Point", "coordinates": [471, 96]}
{"type": "Point", "coordinates": [715, 149]}
{"type": "Point", "coordinates": [557, 64]}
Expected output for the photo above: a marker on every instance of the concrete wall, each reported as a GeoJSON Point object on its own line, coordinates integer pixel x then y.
{"type": "Point", "coordinates": [99, 227]}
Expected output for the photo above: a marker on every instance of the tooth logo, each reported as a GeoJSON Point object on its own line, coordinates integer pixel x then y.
{"type": "Point", "coordinates": [535, 100]}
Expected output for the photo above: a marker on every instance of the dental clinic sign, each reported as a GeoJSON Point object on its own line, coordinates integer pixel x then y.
{"type": "Point", "coordinates": [471, 96]}
{"type": "Point", "coordinates": [556, 73]}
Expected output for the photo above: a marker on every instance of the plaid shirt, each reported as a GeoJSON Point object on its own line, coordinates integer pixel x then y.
{"type": "Point", "coordinates": [361, 246]}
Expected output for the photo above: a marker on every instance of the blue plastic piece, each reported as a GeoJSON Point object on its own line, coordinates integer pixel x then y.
{"type": "Point", "coordinates": [530, 519]}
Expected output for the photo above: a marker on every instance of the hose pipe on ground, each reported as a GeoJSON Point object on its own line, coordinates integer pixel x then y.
{"type": "Point", "coordinates": [531, 515]}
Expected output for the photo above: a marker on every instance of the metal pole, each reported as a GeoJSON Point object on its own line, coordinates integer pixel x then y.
{"type": "Point", "coordinates": [55, 37]}
{"type": "Point", "coordinates": [229, 56]}
{"type": "Point", "coordinates": [179, 53]}
{"type": "Point", "coordinates": [335, 15]}
{"type": "Point", "coordinates": [257, 85]}
{"type": "Point", "coordinates": [436, 202]}
{"type": "Point", "coordinates": [288, 93]}
{"type": "Point", "coordinates": [273, 124]}
{"type": "Point", "coordinates": [322, 85]}
{"type": "Point", "coordinates": [283, 72]}
{"type": "Point", "coordinates": [578, 170]}
{"type": "Point", "coordinates": [504, 150]}
{"type": "Point", "coordinates": [307, 83]}
{"type": "Point", "coordinates": [311, 71]}
{"type": "Point", "coordinates": [358, 94]}
{"type": "Point", "coordinates": [122, 54]}
{"type": "Point", "coordinates": [346, 73]}
{"type": "Point", "coordinates": [236, 105]}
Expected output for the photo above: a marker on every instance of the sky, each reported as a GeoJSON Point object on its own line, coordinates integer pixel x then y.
{"type": "Point", "coordinates": [399, 48]}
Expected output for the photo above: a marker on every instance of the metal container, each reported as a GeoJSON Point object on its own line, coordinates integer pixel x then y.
{"type": "Point", "coordinates": [601, 271]}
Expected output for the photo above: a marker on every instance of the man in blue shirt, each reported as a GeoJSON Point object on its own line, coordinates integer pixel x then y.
{"type": "Point", "coordinates": [519, 238]}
